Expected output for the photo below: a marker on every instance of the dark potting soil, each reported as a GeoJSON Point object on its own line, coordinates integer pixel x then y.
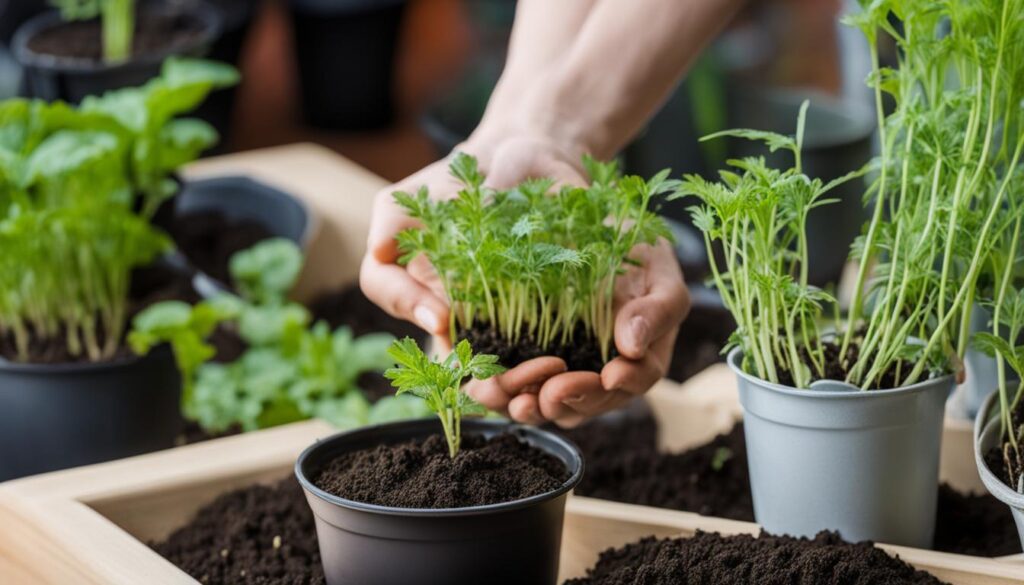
{"type": "Point", "coordinates": [834, 369]}
{"type": "Point", "coordinates": [582, 354]}
{"type": "Point", "coordinates": [710, 558]}
{"type": "Point", "coordinates": [420, 474]}
{"type": "Point", "coordinates": [155, 34]}
{"type": "Point", "coordinates": [209, 239]}
{"type": "Point", "coordinates": [1001, 460]}
{"type": "Point", "coordinates": [148, 285]}
{"type": "Point", "coordinates": [624, 465]}
{"type": "Point", "coordinates": [259, 535]}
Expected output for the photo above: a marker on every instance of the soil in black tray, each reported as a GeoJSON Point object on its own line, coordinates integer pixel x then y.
{"type": "Point", "coordinates": [420, 474]}
{"type": "Point", "coordinates": [624, 465]}
{"type": "Point", "coordinates": [259, 535]}
{"type": "Point", "coordinates": [154, 34]}
{"type": "Point", "coordinates": [582, 354]}
{"type": "Point", "coordinates": [710, 558]}
{"type": "Point", "coordinates": [208, 239]}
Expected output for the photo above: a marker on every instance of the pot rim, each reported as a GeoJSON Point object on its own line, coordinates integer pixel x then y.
{"type": "Point", "coordinates": [480, 425]}
{"type": "Point", "coordinates": [202, 10]}
{"type": "Point", "coordinates": [77, 367]}
{"type": "Point", "coordinates": [734, 364]}
{"type": "Point", "coordinates": [995, 486]}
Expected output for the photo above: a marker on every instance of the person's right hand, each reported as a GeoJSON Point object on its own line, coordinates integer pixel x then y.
{"type": "Point", "coordinates": [413, 292]}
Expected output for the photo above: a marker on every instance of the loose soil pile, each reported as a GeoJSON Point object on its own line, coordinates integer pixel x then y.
{"type": "Point", "coordinates": [420, 474]}
{"type": "Point", "coordinates": [208, 239]}
{"type": "Point", "coordinates": [260, 535]}
{"type": "Point", "coordinates": [154, 34]}
{"type": "Point", "coordinates": [743, 559]}
{"type": "Point", "coordinates": [624, 465]}
{"type": "Point", "coordinates": [583, 354]}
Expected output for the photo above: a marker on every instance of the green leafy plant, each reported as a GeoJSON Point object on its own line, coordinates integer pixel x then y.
{"type": "Point", "coordinates": [77, 189]}
{"type": "Point", "coordinates": [118, 23]}
{"type": "Point", "coordinates": [439, 383]}
{"type": "Point", "coordinates": [290, 370]}
{"type": "Point", "coordinates": [527, 263]}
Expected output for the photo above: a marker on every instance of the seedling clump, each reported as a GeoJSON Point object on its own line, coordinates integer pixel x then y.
{"type": "Point", "coordinates": [534, 267]}
{"type": "Point", "coordinates": [439, 383]}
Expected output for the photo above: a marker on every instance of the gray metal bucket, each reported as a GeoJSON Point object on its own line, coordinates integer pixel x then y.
{"type": "Point", "coordinates": [985, 436]}
{"type": "Point", "coordinates": [865, 464]}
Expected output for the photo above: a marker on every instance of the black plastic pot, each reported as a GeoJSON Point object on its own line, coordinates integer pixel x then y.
{"type": "Point", "coordinates": [346, 61]}
{"type": "Point", "coordinates": [55, 416]}
{"type": "Point", "coordinates": [514, 542]}
{"type": "Point", "coordinates": [49, 77]}
{"type": "Point", "coordinates": [239, 198]}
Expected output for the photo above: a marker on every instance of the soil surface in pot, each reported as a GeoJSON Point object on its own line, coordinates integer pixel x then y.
{"type": "Point", "coordinates": [420, 474]}
{"type": "Point", "coordinates": [209, 239]}
{"type": "Point", "coordinates": [155, 34]}
{"type": "Point", "coordinates": [148, 286]}
{"type": "Point", "coordinates": [624, 465]}
{"type": "Point", "coordinates": [258, 535]}
{"type": "Point", "coordinates": [1006, 470]}
{"type": "Point", "coordinates": [583, 354]}
{"type": "Point", "coordinates": [834, 369]}
{"type": "Point", "coordinates": [709, 557]}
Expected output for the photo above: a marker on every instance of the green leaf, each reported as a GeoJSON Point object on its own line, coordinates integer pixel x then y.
{"type": "Point", "coordinates": [268, 270]}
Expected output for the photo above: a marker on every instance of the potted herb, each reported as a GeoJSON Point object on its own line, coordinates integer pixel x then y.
{"type": "Point", "coordinates": [288, 369]}
{"type": "Point", "coordinates": [77, 190]}
{"type": "Point", "coordinates": [484, 501]}
{"type": "Point", "coordinates": [857, 416]}
{"type": "Point", "coordinates": [527, 274]}
{"type": "Point", "coordinates": [88, 47]}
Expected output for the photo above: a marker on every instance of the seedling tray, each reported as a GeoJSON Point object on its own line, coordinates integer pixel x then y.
{"type": "Point", "coordinates": [691, 414]}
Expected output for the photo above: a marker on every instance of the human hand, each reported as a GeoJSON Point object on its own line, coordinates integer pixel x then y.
{"type": "Point", "coordinates": [651, 301]}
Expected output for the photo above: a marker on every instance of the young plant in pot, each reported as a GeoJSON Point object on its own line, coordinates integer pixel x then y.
{"type": "Point", "coordinates": [256, 360]}
{"type": "Point", "coordinates": [77, 186]}
{"type": "Point", "coordinates": [483, 501]}
{"type": "Point", "coordinates": [88, 47]}
{"type": "Point", "coordinates": [528, 274]}
{"type": "Point", "coordinates": [845, 429]}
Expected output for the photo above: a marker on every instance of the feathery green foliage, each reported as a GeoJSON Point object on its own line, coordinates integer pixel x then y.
{"type": "Point", "coordinates": [77, 189]}
{"type": "Point", "coordinates": [118, 23]}
{"type": "Point", "coordinates": [528, 263]}
{"type": "Point", "coordinates": [439, 384]}
{"type": "Point", "coordinates": [291, 369]}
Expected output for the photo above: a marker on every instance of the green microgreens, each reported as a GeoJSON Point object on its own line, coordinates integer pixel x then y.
{"type": "Point", "coordinates": [529, 263]}
{"type": "Point", "coordinates": [440, 383]}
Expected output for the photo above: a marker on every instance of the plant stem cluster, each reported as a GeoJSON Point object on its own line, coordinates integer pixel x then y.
{"type": "Point", "coordinates": [527, 263]}
{"type": "Point", "coordinates": [117, 21]}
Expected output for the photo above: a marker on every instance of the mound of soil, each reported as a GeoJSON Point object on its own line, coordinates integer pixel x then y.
{"type": "Point", "coordinates": [743, 559]}
{"type": "Point", "coordinates": [624, 465]}
{"type": "Point", "coordinates": [420, 474]}
{"type": "Point", "coordinates": [583, 354]}
{"type": "Point", "coordinates": [208, 239]}
{"type": "Point", "coordinates": [259, 535]}
{"type": "Point", "coordinates": [155, 33]}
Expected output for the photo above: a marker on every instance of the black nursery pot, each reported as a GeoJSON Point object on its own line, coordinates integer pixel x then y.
{"type": "Point", "coordinates": [54, 416]}
{"type": "Point", "coordinates": [238, 198]}
{"type": "Point", "coordinates": [51, 77]}
{"type": "Point", "coordinates": [346, 61]}
{"type": "Point", "coordinates": [513, 542]}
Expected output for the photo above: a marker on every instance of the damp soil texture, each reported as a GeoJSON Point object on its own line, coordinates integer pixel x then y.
{"type": "Point", "coordinates": [148, 285]}
{"type": "Point", "coordinates": [582, 354]}
{"type": "Point", "coordinates": [259, 535]}
{"type": "Point", "coordinates": [208, 239]}
{"type": "Point", "coordinates": [155, 34]}
{"type": "Point", "coordinates": [625, 465]}
{"type": "Point", "coordinates": [1002, 462]}
{"type": "Point", "coordinates": [420, 474]}
{"type": "Point", "coordinates": [713, 559]}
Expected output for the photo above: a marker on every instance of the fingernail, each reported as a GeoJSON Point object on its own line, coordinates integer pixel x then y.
{"type": "Point", "coordinates": [426, 318]}
{"type": "Point", "coordinates": [638, 331]}
{"type": "Point", "coordinates": [574, 399]}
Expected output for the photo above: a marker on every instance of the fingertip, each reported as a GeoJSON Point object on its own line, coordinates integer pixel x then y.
{"type": "Point", "coordinates": [525, 409]}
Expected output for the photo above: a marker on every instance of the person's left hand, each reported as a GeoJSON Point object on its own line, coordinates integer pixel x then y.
{"type": "Point", "coordinates": [651, 301]}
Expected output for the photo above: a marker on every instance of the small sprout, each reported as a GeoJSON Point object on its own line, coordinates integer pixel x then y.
{"type": "Point", "coordinates": [721, 456]}
{"type": "Point", "coordinates": [440, 383]}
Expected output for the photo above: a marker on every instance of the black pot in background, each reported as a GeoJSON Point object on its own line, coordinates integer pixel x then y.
{"type": "Point", "coordinates": [55, 416]}
{"type": "Point", "coordinates": [59, 78]}
{"type": "Point", "coordinates": [237, 198]}
{"type": "Point", "coordinates": [514, 542]}
{"type": "Point", "coordinates": [346, 60]}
